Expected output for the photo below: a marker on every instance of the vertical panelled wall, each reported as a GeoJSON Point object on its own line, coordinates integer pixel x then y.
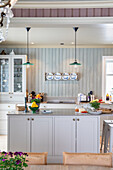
{"type": "Point", "coordinates": [57, 60]}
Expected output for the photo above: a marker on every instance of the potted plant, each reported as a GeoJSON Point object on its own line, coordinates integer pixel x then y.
{"type": "Point", "coordinates": [13, 161]}
{"type": "Point", "coordinates": [34, 107]}
{"type": "Point", "coordinates": [35, 100]}
{"type": "Point", "coordinates": [95, 104]}
{"type": "Point", "coordinates": [35, 103]}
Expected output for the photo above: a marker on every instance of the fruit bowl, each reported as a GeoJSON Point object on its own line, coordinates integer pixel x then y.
{"type": "Point", "coordinates": [34, 109]}
{"type": "Point", "coordinates": [95, 112]}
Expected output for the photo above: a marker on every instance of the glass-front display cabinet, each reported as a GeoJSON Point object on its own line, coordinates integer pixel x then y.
{"type": "Point", "coordinates": [4, 75]}
{"type": "Point", "coordinates": [12, 78]}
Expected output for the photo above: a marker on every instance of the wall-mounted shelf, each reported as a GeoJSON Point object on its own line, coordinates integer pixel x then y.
{"type": "Point", "coordinates": [61, 76]}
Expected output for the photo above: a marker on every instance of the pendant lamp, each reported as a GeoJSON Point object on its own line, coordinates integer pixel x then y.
{"type": "Point", "coordinates": [28, 62]}
{"type": "Point", "coordinates": [75, 62]}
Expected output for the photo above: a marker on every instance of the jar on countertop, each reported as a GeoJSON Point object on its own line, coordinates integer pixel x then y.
{"type": "Point", "coordinates": [29, 98]}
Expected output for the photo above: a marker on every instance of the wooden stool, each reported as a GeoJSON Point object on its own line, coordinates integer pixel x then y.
{"type": "Point", "coordinates": [94, 159]}
{"type": "Point", "coordinates": [109, 136]}
{"type": "Point", "coordinates": [37, 158]}
{"type": "Point", "coordinates": [104, 132]}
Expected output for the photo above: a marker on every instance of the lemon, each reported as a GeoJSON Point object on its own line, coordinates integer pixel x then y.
{"type": "Point", "coordinates": [34, 104]}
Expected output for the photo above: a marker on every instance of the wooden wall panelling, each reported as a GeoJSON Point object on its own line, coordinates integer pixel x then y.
{"type": "Point", "coordinates": [58, 87]}
{"type": "Point", "coordinates": [61, 67]}
{"type": "Point", "coordinates": [69, 83]}
{"type": "Point", "coordinates": [51, 65]}
{"type": "Point", "coordinates": [37, 67]}
{"type": "Point", "coordinates": [48, 63]}
{"type": "Point", "coordinates": [40, 69]}
{"type": "Point", "coordinates": [64, 66]}
{"type": "Point", "coordinates": [32, 69]}
{"type": "Point", "coordinates": [43, 70]}
{"type": "Point", "coordinates": [95, 69]}
{"type": "Point", "coordinates": [57, 60]}
{"type": "Point", "coordinates": [99, 71]}
{"type": "Point", "coordinates": [85, 71]}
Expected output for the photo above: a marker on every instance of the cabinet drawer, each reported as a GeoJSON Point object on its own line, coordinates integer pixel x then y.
{"type": "Point", "coordinates": [3, 127]}
{"type": "Point", "coordinates": [7, 107]}
{"type": "Point", "coordinates": [58, 106]}
{"type": "Point", "coordinates": [3, 114]}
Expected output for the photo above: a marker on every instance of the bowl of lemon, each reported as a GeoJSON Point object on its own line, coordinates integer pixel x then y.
{"type": "Point", "coordinates": [34, 107]}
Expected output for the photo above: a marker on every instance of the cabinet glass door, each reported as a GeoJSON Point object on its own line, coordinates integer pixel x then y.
{"type": "Point", "coordinates": [18, 75]}
{"type": "Point", "coordinates": [4, 75]}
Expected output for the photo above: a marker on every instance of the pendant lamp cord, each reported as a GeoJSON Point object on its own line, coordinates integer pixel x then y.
{"type": "Point", "coordinates": [28, 28]}
{"type": "Point", "coordinates": [75, 28]}
{"type": "Point", "coordinates": [27, 46]}
{"type": "Point", "coordinates": [75, 44]}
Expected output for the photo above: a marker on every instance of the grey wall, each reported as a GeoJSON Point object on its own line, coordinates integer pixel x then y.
{"type": "Point", "coordinates": [57, 60]}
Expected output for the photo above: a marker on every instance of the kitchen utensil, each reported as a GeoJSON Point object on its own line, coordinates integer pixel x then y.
{"type": "Point", "coordinates": [46, 111]}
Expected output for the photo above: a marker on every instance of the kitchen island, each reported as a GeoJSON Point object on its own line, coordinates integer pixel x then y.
{"type": "Point", "coordinates": [56, 132]}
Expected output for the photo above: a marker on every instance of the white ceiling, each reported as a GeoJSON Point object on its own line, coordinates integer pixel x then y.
{"type": "Point", "coordinates": [64, 4]}
{"type": "Point", "coordinates": [88, 34]}
{"type": "Point", "coordinates": [53, 31]}
{"type": "Point", "coordinates": [64, 0]}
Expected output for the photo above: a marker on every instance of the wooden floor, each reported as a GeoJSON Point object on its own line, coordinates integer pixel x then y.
{"type": "Point", "coordinates": [66, 167]}
{"type": "Point", "coordinates": [3, 143]}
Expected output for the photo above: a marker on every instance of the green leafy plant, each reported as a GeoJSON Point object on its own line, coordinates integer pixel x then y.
{"type": "Point", "coordinates": [34, 109]}
{"type": "Point", "coordinates": [13, 161]}
{"type": "Point", "coordinates": [35, 100]}
{"type": "Point", "coordinates": [95, 104]}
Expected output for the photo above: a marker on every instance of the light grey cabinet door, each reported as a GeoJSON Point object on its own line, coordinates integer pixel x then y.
{"type": "Point", "coordinates": [3, 122]}
{"type": "Point", "coordinates": [12, 78]}
{"type": "Point", "coordinates": [41, 135]}
{"type": "Point", "coordinates": [19, 134]}
{"type": "Point", "coordinates": [88, 134]}
{"type": "Point", "coordinates": [64, 135]}
{"type": "Point", "coordinates": [18, 75]}
{"type": "Point", "coordinates": [5, 75]}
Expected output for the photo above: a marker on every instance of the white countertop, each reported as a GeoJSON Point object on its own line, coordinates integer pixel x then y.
{"type": "Point", "coordinates": [55, 112]}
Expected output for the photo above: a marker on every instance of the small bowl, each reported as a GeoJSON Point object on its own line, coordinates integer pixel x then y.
{"type": "Point", "coordinates": [34, 109]}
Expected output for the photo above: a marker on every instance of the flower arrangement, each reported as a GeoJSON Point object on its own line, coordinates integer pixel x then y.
{"type": "Point", "coordinates": [13, 161]}
{"type": "Point", "coordinates": [34, 107]}
{"type": "Point", "coordinates": [37, 99]}
{"type": "Point", "coordinates": [35, 103]}
{"type": "Point", "coordinates": [38, 96]}
{"type": "Point", "coordinates": [95, 104]}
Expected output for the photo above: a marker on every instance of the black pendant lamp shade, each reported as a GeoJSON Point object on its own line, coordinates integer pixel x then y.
{"type": "Point", "coordinates": [75, 62]}
{"type": "Point", "coordinates": [28, 62]}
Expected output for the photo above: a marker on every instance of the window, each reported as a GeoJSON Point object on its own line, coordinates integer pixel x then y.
{"type": "Point", "coordinates": [107, 77]}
